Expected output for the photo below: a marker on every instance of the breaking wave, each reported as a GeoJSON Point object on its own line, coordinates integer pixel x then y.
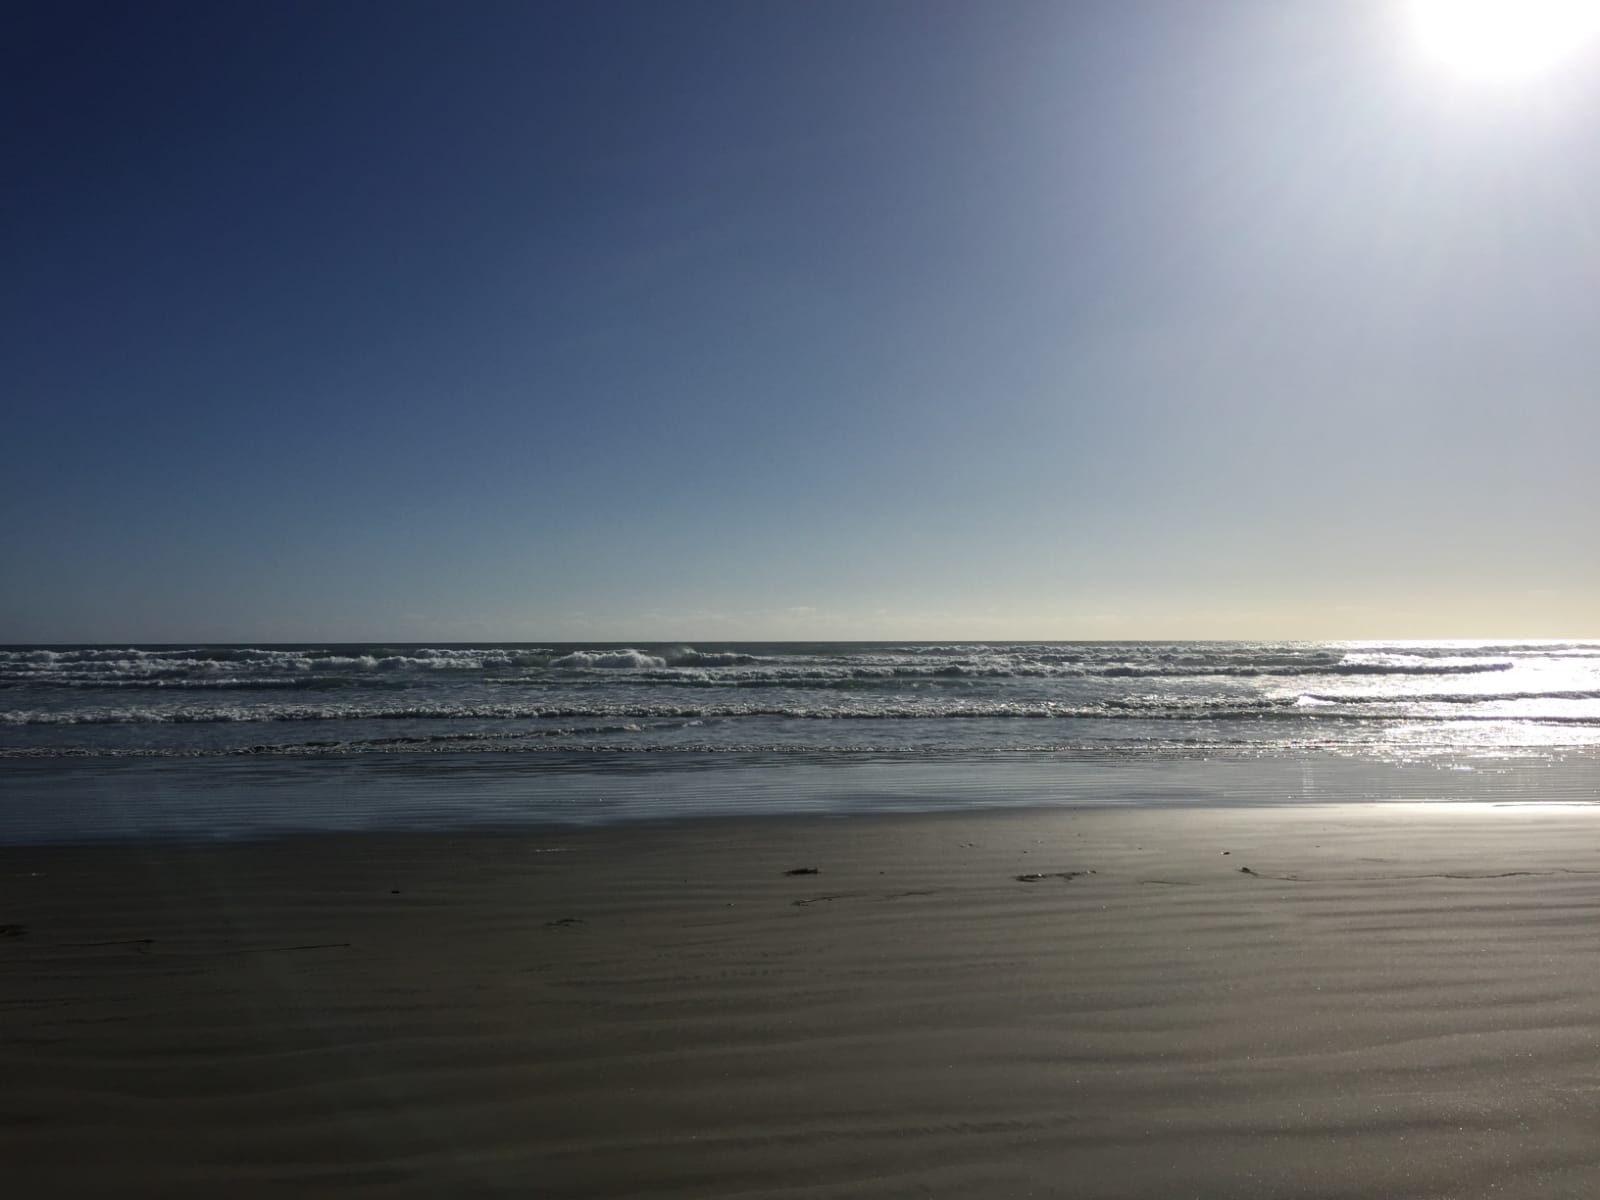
{"type": "Point", "coordinates": [1143, 708]}
{"type": "Point", "coordinates": [607, 660]}
{"type": "Point", "coordinates": [964, 695]}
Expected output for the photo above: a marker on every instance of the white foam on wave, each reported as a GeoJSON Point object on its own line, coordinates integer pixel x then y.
{"type": "Point", "coordinates": [848, 707]}
{"type": "Point", "coordinates": [113, 664]}
{"type": "Point", "coordinates": [607, 660]}
{"type": "Point", "coordinates": [712, 658]}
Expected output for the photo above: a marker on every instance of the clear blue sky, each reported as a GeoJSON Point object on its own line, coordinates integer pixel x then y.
{"type": "Point", "coordinates": [934, 318]}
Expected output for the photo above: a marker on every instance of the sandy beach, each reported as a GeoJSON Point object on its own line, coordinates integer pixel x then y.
{"type": "Point", "coordinates": [1326, 1001]}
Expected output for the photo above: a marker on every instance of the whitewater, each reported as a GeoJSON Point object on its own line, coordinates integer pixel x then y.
{"type": "Point", "coordinates": [215, 740]}
{"type": "Point", "coordinates": [1411, 698]}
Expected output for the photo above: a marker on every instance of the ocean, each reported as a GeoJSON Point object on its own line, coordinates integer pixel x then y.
{"type": "Point", "coordinates": [229, 741]}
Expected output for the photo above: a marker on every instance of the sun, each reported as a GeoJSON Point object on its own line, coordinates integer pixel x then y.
{"type": "Point", "coordinates": [1504, 39]}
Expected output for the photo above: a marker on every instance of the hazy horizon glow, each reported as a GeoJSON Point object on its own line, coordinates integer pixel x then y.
{"type": "Point", "coordinates": [917, 320]}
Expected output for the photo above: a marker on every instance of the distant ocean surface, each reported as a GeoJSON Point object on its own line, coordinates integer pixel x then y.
{"type": "Point", "coordinates": [465, 734]}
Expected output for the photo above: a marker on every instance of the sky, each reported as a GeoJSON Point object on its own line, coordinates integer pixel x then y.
{"type": "Point", "coordinates": [791, 319]}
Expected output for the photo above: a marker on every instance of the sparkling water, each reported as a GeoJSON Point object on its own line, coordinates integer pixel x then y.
{"type": "Point", "coordinates": [268, 738]}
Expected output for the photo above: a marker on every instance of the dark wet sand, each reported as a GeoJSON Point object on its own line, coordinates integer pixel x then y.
{"type": "Point", "coordinates": [1392, 1001]}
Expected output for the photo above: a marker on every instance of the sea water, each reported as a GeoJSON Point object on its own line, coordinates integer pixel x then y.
{"type": "Point", "coordinates": [118, 741]}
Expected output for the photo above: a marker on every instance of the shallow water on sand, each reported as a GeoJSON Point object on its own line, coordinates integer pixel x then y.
{"type": "Point", "coordinates": [228, 798]}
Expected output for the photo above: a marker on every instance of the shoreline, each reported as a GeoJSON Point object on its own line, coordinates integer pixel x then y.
{"type": "Point", "coordinates": [1391, 1000]}
{"type": "Point", "coordinates": [202, 801]}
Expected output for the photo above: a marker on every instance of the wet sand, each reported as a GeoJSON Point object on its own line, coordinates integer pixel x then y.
{"type": "Point", "coordinates": [1368, 1001]}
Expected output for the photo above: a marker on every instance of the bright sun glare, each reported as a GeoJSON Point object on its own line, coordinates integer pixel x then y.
{"type": "Point", "coordinates": [1504, 39]}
